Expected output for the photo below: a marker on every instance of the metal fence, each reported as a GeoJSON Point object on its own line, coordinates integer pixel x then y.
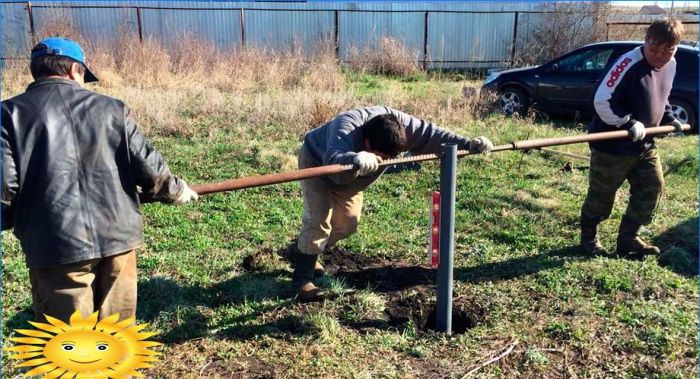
{"type": "Point", "coordinates": [447, 36]}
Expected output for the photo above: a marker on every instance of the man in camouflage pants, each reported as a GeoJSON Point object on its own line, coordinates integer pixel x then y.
{"type": "Point", "coordinates": [633, 95]}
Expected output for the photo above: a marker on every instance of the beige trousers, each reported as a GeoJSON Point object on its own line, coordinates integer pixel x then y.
{"type": "Point", "coordinates": [330, 213]}
{"type": "Point", "coordinates": [107, 285]}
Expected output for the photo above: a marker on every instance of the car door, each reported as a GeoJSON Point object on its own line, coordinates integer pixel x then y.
{"type": "Point", "coordinates": [567, 84]}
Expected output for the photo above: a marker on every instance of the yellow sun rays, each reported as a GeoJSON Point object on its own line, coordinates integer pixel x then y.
{"type": "Point", "coordinates": [50, 349]}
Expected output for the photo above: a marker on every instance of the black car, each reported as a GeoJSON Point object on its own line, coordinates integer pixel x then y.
{"type": "Point", "coordinates": [566, 84]}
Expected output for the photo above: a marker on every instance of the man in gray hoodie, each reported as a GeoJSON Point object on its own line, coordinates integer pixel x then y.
{"type": "Point", "coordinates": [333, 204]}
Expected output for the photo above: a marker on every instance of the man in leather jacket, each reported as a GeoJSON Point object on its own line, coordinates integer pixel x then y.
{"type": "Point", "coordinates": [74, 172]}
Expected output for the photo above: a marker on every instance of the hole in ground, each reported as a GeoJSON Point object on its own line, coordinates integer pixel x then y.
{"type": "Point", "coordinates": [419, 305]}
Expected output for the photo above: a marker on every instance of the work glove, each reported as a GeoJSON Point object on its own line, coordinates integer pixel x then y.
{"type": "Point", "coordinates": [677, 132]}
{"type": "Point", "coordinates": [679, 127]}
{"type": "Point", "coordinates": [480, 145]}
{"type": "Point", "coordinates": [186, 196]}
{"type": "Point", "coordinates": [638, 131]}
{"type": "Point", "coordinates": [366, 162]}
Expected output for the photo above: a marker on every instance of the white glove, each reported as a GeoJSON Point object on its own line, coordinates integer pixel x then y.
{"type": "Point", "coordinates": [679, 127]}
{"type": "Point", "coordinates": [480, 145]}
{"type": "Point", "coordinates": [186, 196]}
{"type": "Point", "coordinates": [638, 131]}
{"type": "Point", "coordinates": [366, 162]}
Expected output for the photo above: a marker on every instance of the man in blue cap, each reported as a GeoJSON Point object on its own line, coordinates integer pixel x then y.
{"type": "Point", "coordinates": [75, 170]}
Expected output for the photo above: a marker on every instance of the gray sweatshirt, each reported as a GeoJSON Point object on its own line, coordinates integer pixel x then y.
{"type": "Point", "coordinates": [339, 141]}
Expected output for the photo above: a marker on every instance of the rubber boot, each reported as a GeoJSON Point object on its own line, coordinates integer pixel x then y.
{"type": "Point", "coordinates": [628, 241]}
{"type": "Point", "coordinates": [290, 254]}
{"type": "Point", "coordinates": [303, 276]}
{"type": "Point", "coordinates": [589, 239]}
{"type": "Point", "coordinates": [319, 271]}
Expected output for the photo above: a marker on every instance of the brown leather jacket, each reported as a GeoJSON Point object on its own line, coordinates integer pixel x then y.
{"type": "Point", "coordinates": [74, 173]}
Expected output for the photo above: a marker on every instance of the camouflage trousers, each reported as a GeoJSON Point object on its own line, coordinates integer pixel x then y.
{"type": "Point", "coordinates": [608, 172]}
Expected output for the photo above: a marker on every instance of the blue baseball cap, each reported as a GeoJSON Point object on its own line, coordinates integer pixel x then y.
{"type": "Point", "coordinates": [65, 48]}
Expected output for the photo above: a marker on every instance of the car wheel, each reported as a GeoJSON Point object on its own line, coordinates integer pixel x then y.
{"type": "Point", "coordinates": [684, 112]}
{"type": "Point", "coordinates": [512, 100]}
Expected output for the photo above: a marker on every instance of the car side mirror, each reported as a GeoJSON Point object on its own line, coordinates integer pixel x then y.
{"type": "Point", "coordinates": [554, 68]}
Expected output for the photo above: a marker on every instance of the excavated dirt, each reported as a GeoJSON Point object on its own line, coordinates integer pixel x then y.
{"type": "Point", "coordinates": [409, 290]}
{"type": "Point", "coordinates": [378, 274]}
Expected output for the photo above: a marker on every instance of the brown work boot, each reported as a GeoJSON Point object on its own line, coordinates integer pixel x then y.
{"type": "Point", "coordinates": [290, 253]}
{"type": "Point", "coordinates": [628, 241]}
{"type": "Point", "coordinates": [309, 293]}
{"type": "Point", "coordinates": [592, 246]}
{"type": "Point", "coordinates": [589, 239]}
{"type": "Point", "coordinates": [303, 276]}
{"type": "Point", "coordinates": [590, 243]}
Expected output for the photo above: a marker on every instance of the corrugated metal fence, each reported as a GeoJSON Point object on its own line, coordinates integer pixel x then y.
{"type": "Point", "coordinates": [443, 35]}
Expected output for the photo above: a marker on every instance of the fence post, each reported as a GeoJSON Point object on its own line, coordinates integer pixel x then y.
{"type": "Point", "coordinates": [32, 31]}
{"type": "Point", "coordinates": [138, 21]}
{"type": "Point", "coordinates": [242, 22]}
{"type": "Point", "coordinates": [425, 42]}
{"type": "Point", "coordinates": [336, 36]}
{"type": "Point", "coordinates": [448, 187]}
{"type": "Point", "coordinates": [515, 40]}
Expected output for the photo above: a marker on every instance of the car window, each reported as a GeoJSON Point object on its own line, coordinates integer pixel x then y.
{"type": "Point", "coordinates": [589, 60]}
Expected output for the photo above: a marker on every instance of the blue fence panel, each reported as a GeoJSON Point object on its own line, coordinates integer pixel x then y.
{"type": "Point", "coordinates": [221, 27]}
{"type": "Point", "coordinates": [283, 30]}
{"type": "Point", "coordinates": [364, 30]}
{"type": "Point", "coordinates": [455, 38]}
{"type": "Point", "coordinates": [14, 22]}
{"type": "Point", "coordinates": [95, 24]}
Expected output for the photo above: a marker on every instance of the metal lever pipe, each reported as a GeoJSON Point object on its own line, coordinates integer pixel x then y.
{"type": "Point", "coordinates": [314, 172]}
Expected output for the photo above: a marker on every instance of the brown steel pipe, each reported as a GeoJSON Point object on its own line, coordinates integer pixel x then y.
{"type": "Point", "coordinates": [314, 172]}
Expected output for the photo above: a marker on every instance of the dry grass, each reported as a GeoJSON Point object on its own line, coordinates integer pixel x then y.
{"type": "Point", "coordinates": [389, 57]}
{"type": "Point", "coordinates": [637, 32]}
{"type": "Point", "coordinates": [200, 89]}
{"type": "Point", "coordinates": [562, 32]}
{"type": "Point", "coordinates": [172, 89]}
{"type": "Point", "coordinates": [191, 87]}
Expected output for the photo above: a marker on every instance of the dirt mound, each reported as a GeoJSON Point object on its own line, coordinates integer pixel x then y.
{"type": "Point", "coordinates": [378, 274]}
{"type": "Point", "coordinates": [338, 259]}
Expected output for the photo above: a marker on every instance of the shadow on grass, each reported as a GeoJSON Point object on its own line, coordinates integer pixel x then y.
{"type": "Point", "coordinates": [258, 304]}
{"type": "Point", "coordinates": [188, 308]}
{"type": "Point", "coordinates": [391, 278]}
{"type": "Point", "coordinates": [679, 246]}
{"type": "Point", "coordinates": [519, 267]}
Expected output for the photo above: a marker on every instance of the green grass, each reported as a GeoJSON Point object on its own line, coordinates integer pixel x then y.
{"type": "Point", "coordinates": [516, 257]}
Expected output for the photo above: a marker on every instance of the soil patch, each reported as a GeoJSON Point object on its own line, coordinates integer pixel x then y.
{"type": "Point", "coordinates": [261, 260]}
{"type": "Point", "coordinates": [378, 274]}
{"type": "Point", "coordinates": [410, 290]}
